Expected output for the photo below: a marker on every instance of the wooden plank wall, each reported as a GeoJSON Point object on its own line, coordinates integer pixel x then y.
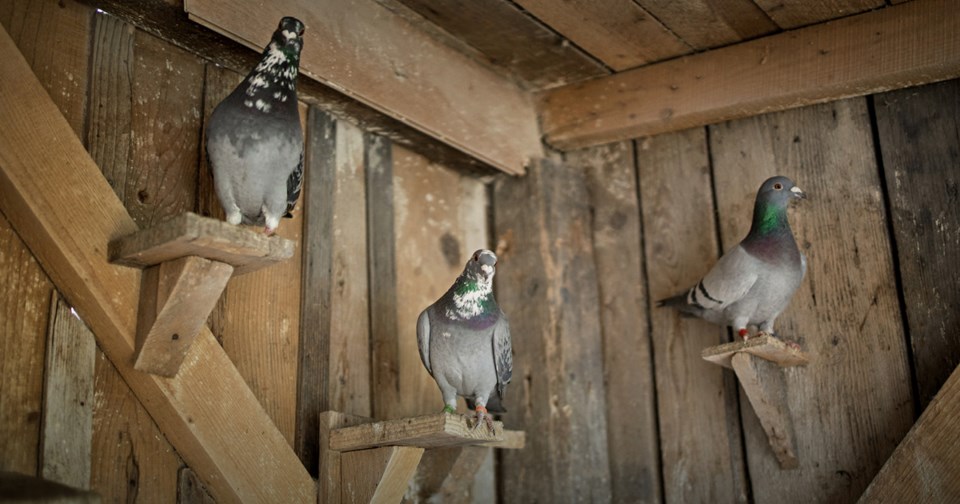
{"type": "Point", "coordinates": [617, 404]}
{"type": "Point", "coordinates": [877, 309]}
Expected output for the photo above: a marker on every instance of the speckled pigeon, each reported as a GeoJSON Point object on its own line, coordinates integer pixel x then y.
{"type": "Point", "coordinates": [753, 282]}
{"type": "Point", "coordinates": [464, 341]}
{"type": "Point", "coordinates": [254, 139]}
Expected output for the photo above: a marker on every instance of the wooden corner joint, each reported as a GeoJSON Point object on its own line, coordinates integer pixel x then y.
{"type": "Point", "coordinates": [187, 263]}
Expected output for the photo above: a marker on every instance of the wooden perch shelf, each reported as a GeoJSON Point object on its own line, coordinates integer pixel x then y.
{"type": "Point", "coordinates": [189, 260]}
{"type": "Point", "coordinates": [765, 391]}
{"type": "Point", "coordinates": [430, 431]}
{"type": "Point", "coordinates": [362, 460]}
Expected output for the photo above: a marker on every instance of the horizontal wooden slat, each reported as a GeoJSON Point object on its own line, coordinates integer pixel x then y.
{"type": "Point", "coordinates": [61, 206]}
{"type": "Point", "coordinates": [189, 234]}
{"type": "Point", "coordinates": [895, 47]}
{"type": "Point", "coordinates": [366, 51]}
{"type": "Point", "coordinates": [428, 431]}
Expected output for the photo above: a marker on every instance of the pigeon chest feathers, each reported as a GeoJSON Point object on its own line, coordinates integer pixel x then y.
{"type": "Point", "coordinates": [271, 86]}
{"type": "Point", "coordinates": [471, 302]}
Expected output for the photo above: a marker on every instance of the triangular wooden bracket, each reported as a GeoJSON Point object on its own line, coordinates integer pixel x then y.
{"type": "Point", "coordinates": [362, 460]}
{"type": "Point", "coordinates": [187, 263]}
{"type": "Point", "coordinates": [764, 389]}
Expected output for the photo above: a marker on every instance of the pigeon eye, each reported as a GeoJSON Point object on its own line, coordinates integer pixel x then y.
{"type": "Point", "coordinates": [476, 257]}
{"type": "Point", "coordinates": [778, 186]}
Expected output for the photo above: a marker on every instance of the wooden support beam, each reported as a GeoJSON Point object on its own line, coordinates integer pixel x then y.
{"type": "Point", "coordinates": [189, 234]}
{"type": "Point", "coordinates": [766, 395]}
{"type": "Point", "coordinates": [925, 467]}
{"type": "Point", "coordinates": [388, 64]}
{"type": "Point", "coordinates": [899, 46]}
{"type": "Point", "coordinates": [764, 386]}
{"type": "Point", "coordinates": [428, 431]}
{"type": "Point", "coordinates": [380, 475]}
{"type": "Point", "coordinates": [61, 206]}
{"type": "Point", "coordinates": [176, 297]}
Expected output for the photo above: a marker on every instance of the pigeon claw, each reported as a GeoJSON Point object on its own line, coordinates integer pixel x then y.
{"type": "Point", "coordinates": [483, 417]}
{"type": "Point", "coordinates": [268, 231]}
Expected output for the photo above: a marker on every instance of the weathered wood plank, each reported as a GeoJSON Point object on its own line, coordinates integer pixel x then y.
{"type": "Point", "coordinates": [54, 37]}
{"type": "Point", "coordinates": [130, 455]}
{"type": "Point", "coordinates": [793, 13]}
{"type": "Point", "coordinates": [159, 178]}
{"type": "Point", "coordinates": [845, 314]}
{"type": "Point", "coordinates": [895, 47]}
{"type": "Point", "coordinates": [924, 467]}
{"type": "Point", "coordinates": [620, 33]}
{"type": "Point", "coordinates": [704, 24]}
{"type": "Point", "coordinates": [378, 476]}
{"type": "Point", "coordinates": [633, 445]}
{"type": "Point", "coordinates": [384, 343]}
{"type": "Point", "coordinates": [330, 473]}
{"type": "Point", "coordinates": [763, 385]}
{"type": "Point", "coordinates": [190, 489]}
{"type": "Point", "coordinates": [66, 213]}
{"type": "Point", "coordinates": [491, 119]}
{"type": "Point", "coordinates": [547, 285]}
{"type": "Point", "coordinates": [68, 398]}
{"type": "Point", "coordinates": [510, 38]}
{"type": "Point", "coordinates": [696, 401]}
{"type": "Point", "coordinates": [188, 234]}
{"type": "Point", "coordinates": [918, 131]}
{"type": "Point", "coordinates": [429, 431]}
{"type": "Point", "coordinates": [24, 311]}
{"type": "Point", "coordinates": [176, 298]}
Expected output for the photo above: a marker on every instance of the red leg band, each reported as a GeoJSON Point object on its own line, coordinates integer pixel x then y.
{"type": "Point", "coordinates": [480, 409]}
{"type": "Point", "coordinates": [743, 333]}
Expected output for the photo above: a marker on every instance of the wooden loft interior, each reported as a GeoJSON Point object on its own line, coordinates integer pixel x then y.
{"type": "Point", "coordinates": [487, 83]}
{"type": "Point", "coordinates": [488, 86]}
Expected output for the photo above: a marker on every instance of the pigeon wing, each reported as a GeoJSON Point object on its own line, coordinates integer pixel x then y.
{"type": "Point", "coordinates": [729, 280]}
{"type": "Point", "coordinates": [423, 339]}
{"type": "Point", "coordinates": [502, 354]}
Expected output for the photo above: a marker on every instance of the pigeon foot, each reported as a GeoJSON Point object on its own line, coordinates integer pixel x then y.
{"type": "Point", "coordinates": [483, 416]}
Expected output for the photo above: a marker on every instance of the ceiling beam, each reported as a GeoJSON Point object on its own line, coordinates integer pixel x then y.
{"type": "Point", "coordinates": [373, 55]}
{"type": "Point", "coordinates": [65, 211]}
{"type": "Point", "coordinates": [900, 46]}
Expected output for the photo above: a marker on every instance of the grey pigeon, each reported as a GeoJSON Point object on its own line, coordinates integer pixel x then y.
{"type": "Point", "coordinates": [754, 281]}
{"type": "Point", "coordinates": [254, 139]}
{"type": "Point", "coordinates": [464, 341]}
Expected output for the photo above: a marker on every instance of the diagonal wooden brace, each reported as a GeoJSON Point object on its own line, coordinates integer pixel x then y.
{"type": "Point", "coordinates": [188, 261]}
{"type": "Point", "coordinates": [764, 388]}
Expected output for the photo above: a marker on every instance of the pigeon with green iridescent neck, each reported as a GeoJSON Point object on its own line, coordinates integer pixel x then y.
{"type": "Point", "coordinates": [464, 341]}
{"type": "Point", "coordinates": [753, 282]}
{"type": "Point", "coordinates": [254, 139]}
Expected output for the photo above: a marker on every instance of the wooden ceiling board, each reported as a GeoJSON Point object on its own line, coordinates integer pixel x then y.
{"type": "Point", "coordinates": [617, 32]}
{"type": "Point", "coordinates": [795, 13]}
{"type": "Point", "coordinates": [905, 45]}
{"type": "Point", "coordinates": [704, 24]}
{"type": "Point", "coordinates": [512, 39]}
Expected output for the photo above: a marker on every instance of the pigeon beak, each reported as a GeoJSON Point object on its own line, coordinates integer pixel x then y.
{"type": "Point", "coordinates": [797, 193]}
